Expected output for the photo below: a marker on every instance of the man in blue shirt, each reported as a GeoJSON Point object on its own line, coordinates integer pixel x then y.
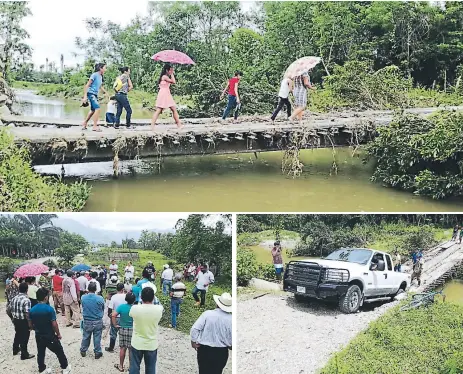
{"type": "Point", "coordinates": [91, 89]}
{"type": "Point", "coordinates": [47, 335]}
{"type": "Point", "coordinates": [146, 282]}
{"type": "Point", "coordinates": [92, 313]}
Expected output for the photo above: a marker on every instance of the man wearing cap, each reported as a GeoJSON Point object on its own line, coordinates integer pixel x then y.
{"type": "Point", "coordinates": [277, 259]}
{"type": "Point", "coordinates": [203, 280]}
{"type": "Point", "coordinates": [211, 336]}
{"type": "Point", "coordinates": [111, 288]}
{"type": "Point", "coordinates": [167, 276]}
{"type": "Point", "coordinates": [234, 101]}
{"type": "Point", "coordinates": [71, 300]}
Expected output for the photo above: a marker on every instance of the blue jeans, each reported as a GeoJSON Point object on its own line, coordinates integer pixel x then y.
{"type": "Point", "coordinates": [110, 118]}
{"type": "Point", "coordinates": [175, 310]}
{"type": "Point", "coordinates": [166, 286]}
{"type": "Point", "coordinates": [123, 103]}
{"type": "Point", "coordinates": [93, 100]}
{"type": "Point", "coordinates": [150, 361]}
{"type": "Point", "coordinates": [89, 328]}
{"type": "Point", "coordinates": [231, 105]}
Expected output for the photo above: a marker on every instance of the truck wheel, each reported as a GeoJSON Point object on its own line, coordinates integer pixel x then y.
{"type": "Point", "coordinates": [401, 290]}
{"type": "Point", "coordinates": [350, 302]}
{"type": "Point", "coordinates": [300, 298]}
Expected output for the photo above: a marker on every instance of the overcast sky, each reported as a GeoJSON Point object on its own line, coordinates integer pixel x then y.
{"type": "Point", "coordinates": [126, 221]}
{"type": "Point", "coordinates": [54, 24]}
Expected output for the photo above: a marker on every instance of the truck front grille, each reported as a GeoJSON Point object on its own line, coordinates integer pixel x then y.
{"type": "Point", "coordinates": [304, 273]}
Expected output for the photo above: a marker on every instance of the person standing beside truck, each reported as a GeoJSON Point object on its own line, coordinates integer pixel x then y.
{"type": "Point", "coordinates": [277, 259]}
{"type": "Point", "coordinates": [398, 262]}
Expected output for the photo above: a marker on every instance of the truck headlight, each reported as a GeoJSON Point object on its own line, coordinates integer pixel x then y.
{"type": "Point", "coordinates": [336, 275]}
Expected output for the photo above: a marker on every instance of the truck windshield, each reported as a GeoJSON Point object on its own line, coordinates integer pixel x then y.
{"type": "Point", "coordinates": [359, 256]}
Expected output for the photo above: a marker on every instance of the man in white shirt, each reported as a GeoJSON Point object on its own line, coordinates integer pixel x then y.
{"type": "Point", "coordinates": [113, 268]}
{"type": "Point", "coordinates": [129, 271]}
{"type": "Point", "coordinates": [211, 336]}
{"type": "Point", "coordinates": [93, 280]}
{"type": "Point", "coordinates": [82, 285]}
{"type": "Point", "coordinates": [203, 280]}
{"type": "Point", "coordinates": [285, 88]}
{"type": "Point", "coordinates": [116, 300]}
{"type": "Point", "coordinates": [167, 276]}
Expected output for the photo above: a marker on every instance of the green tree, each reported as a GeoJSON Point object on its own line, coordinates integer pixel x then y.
{"type": "Point", "coordinates": [12, 33]}
{"type": "Point", "coordinates": [70, 245]}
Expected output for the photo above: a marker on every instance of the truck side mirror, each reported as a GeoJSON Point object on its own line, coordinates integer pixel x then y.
{"type": "Point", "coordinates": [381, 265]}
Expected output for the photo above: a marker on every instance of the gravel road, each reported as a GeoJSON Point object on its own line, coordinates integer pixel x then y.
{"type": "Point", "coordinates": [278, 335]}
{"type": "Point", "coordinates": [175, 354]}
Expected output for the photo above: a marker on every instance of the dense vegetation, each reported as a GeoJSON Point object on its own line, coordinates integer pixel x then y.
{"type": "Point", "coordinates": [373, 52]}
{"type": "Point", "coordinates": [425, 340]}
{"type": "Point", "coordinates": [421, 155]}
{"type": "Point", "coordinates": [24, 190]}
{"type": "Point", "coordinates": [321, 234]}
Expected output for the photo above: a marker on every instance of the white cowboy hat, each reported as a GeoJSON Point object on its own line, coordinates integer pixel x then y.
{"type": "Point", "coordinates": [166, 266]}
{"type": "Point", "coordinates": [224, 302]}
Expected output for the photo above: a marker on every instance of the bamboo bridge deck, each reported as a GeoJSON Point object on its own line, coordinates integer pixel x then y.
{"type": "Point", "coordinates": [63, 141]}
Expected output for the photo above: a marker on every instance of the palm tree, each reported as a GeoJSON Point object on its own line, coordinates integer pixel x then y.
{"type": "Point", "coordinates": [41, 228]}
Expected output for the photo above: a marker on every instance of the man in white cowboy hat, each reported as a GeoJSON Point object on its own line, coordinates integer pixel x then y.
{"type": "Point", "coordinates": [167, 276]}
{"type": "Point", "coordinates": [211, 336]}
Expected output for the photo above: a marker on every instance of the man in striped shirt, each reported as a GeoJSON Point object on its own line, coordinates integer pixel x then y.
{"type": "Point", "coordinates": [18, 311]}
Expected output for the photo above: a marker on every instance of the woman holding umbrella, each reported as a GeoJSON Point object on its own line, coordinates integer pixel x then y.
{"type": "Point", "coordinates": [298, 71]}
{"type": "Point", "coordinates": [165, 99]}
{"type": "Point", "coordinates": [301, 84]}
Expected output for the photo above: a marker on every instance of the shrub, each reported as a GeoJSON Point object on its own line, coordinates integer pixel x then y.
{"type": "Point", "coordinates": [23, 190]}
{"type": "Point", "coordinates": [357, 84]}
{"type": "Point", "coordinates": [453, 365]}
{"type": "Point", "coordinates": [267, 272]}
{"type": "Point", "coordinates": [246, 266]}
{"type": "Point", "coordinates": [422, 155]}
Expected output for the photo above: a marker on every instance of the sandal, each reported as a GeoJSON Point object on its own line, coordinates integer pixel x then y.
{"type": "Point", "coordinates": [97, 130]}
{"type": "Point", "coordinates": [83, 128]}
{"type": "Point", "coordinates": [119, 368]}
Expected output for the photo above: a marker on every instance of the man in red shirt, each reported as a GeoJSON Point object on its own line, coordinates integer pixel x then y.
{"type": "Point", "coordinates": [234, 101]}
{"type": "Point", "coordinates": [57, 283]}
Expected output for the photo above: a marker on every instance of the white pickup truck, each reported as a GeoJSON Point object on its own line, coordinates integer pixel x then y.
{"type": "Point", "coordinates": [350, 275]}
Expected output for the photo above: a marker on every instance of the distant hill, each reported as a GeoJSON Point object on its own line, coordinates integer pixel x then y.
{"type": "Point", "coordinates": [97, 236]}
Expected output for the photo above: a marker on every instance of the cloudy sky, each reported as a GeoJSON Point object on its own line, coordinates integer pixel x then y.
{"type": "Point", "coordinates": [126, 221]}
{"type": "Point", "coordinates": [54, 24]}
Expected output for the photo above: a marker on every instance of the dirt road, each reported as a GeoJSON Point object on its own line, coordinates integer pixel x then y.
{"type": "Point", "coordinates": [175, 354]}
{"type": "Point", "coordinates": [278, 335]}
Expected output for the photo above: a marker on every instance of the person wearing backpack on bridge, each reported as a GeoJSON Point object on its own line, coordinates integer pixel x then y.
{"type": "Point", "coordinates": [417, 269]}
{"type": "Point", "coordinates": [122, 86]}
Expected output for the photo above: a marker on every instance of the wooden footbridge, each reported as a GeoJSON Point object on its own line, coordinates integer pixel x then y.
{"type": "Point", "coordinates": [63, 141]}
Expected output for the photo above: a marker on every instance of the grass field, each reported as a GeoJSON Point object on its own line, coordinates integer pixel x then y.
{"type": "Point", "coordinates": [425, 340]}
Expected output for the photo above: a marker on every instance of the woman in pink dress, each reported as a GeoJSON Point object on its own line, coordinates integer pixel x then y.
{"type": "Point", "coordinates": [165, 99]}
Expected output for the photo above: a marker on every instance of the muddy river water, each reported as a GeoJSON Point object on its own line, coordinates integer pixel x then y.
{"type": "Point", "coordinates": [233, 183]}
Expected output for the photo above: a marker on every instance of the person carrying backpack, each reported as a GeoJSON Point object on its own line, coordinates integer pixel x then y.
{"type": "Point", "coordinates": [122, 86]}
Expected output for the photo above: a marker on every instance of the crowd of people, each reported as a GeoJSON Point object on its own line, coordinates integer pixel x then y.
{"type": "Point", "coordinates": [129, 311]}
{"type": "Point", "coordinates": [119, 101]}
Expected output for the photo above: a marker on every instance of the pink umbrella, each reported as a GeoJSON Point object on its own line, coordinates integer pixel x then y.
{"type": "Point", "coordinates": [174, 57]}
{"type": "Point", "coordinates": [30, 270]}
{"type": "Point", "coordinates": [301, 66]}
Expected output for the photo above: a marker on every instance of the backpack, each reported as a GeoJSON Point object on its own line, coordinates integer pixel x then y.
{"type": "Point", "coordinates": [118, 84]}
